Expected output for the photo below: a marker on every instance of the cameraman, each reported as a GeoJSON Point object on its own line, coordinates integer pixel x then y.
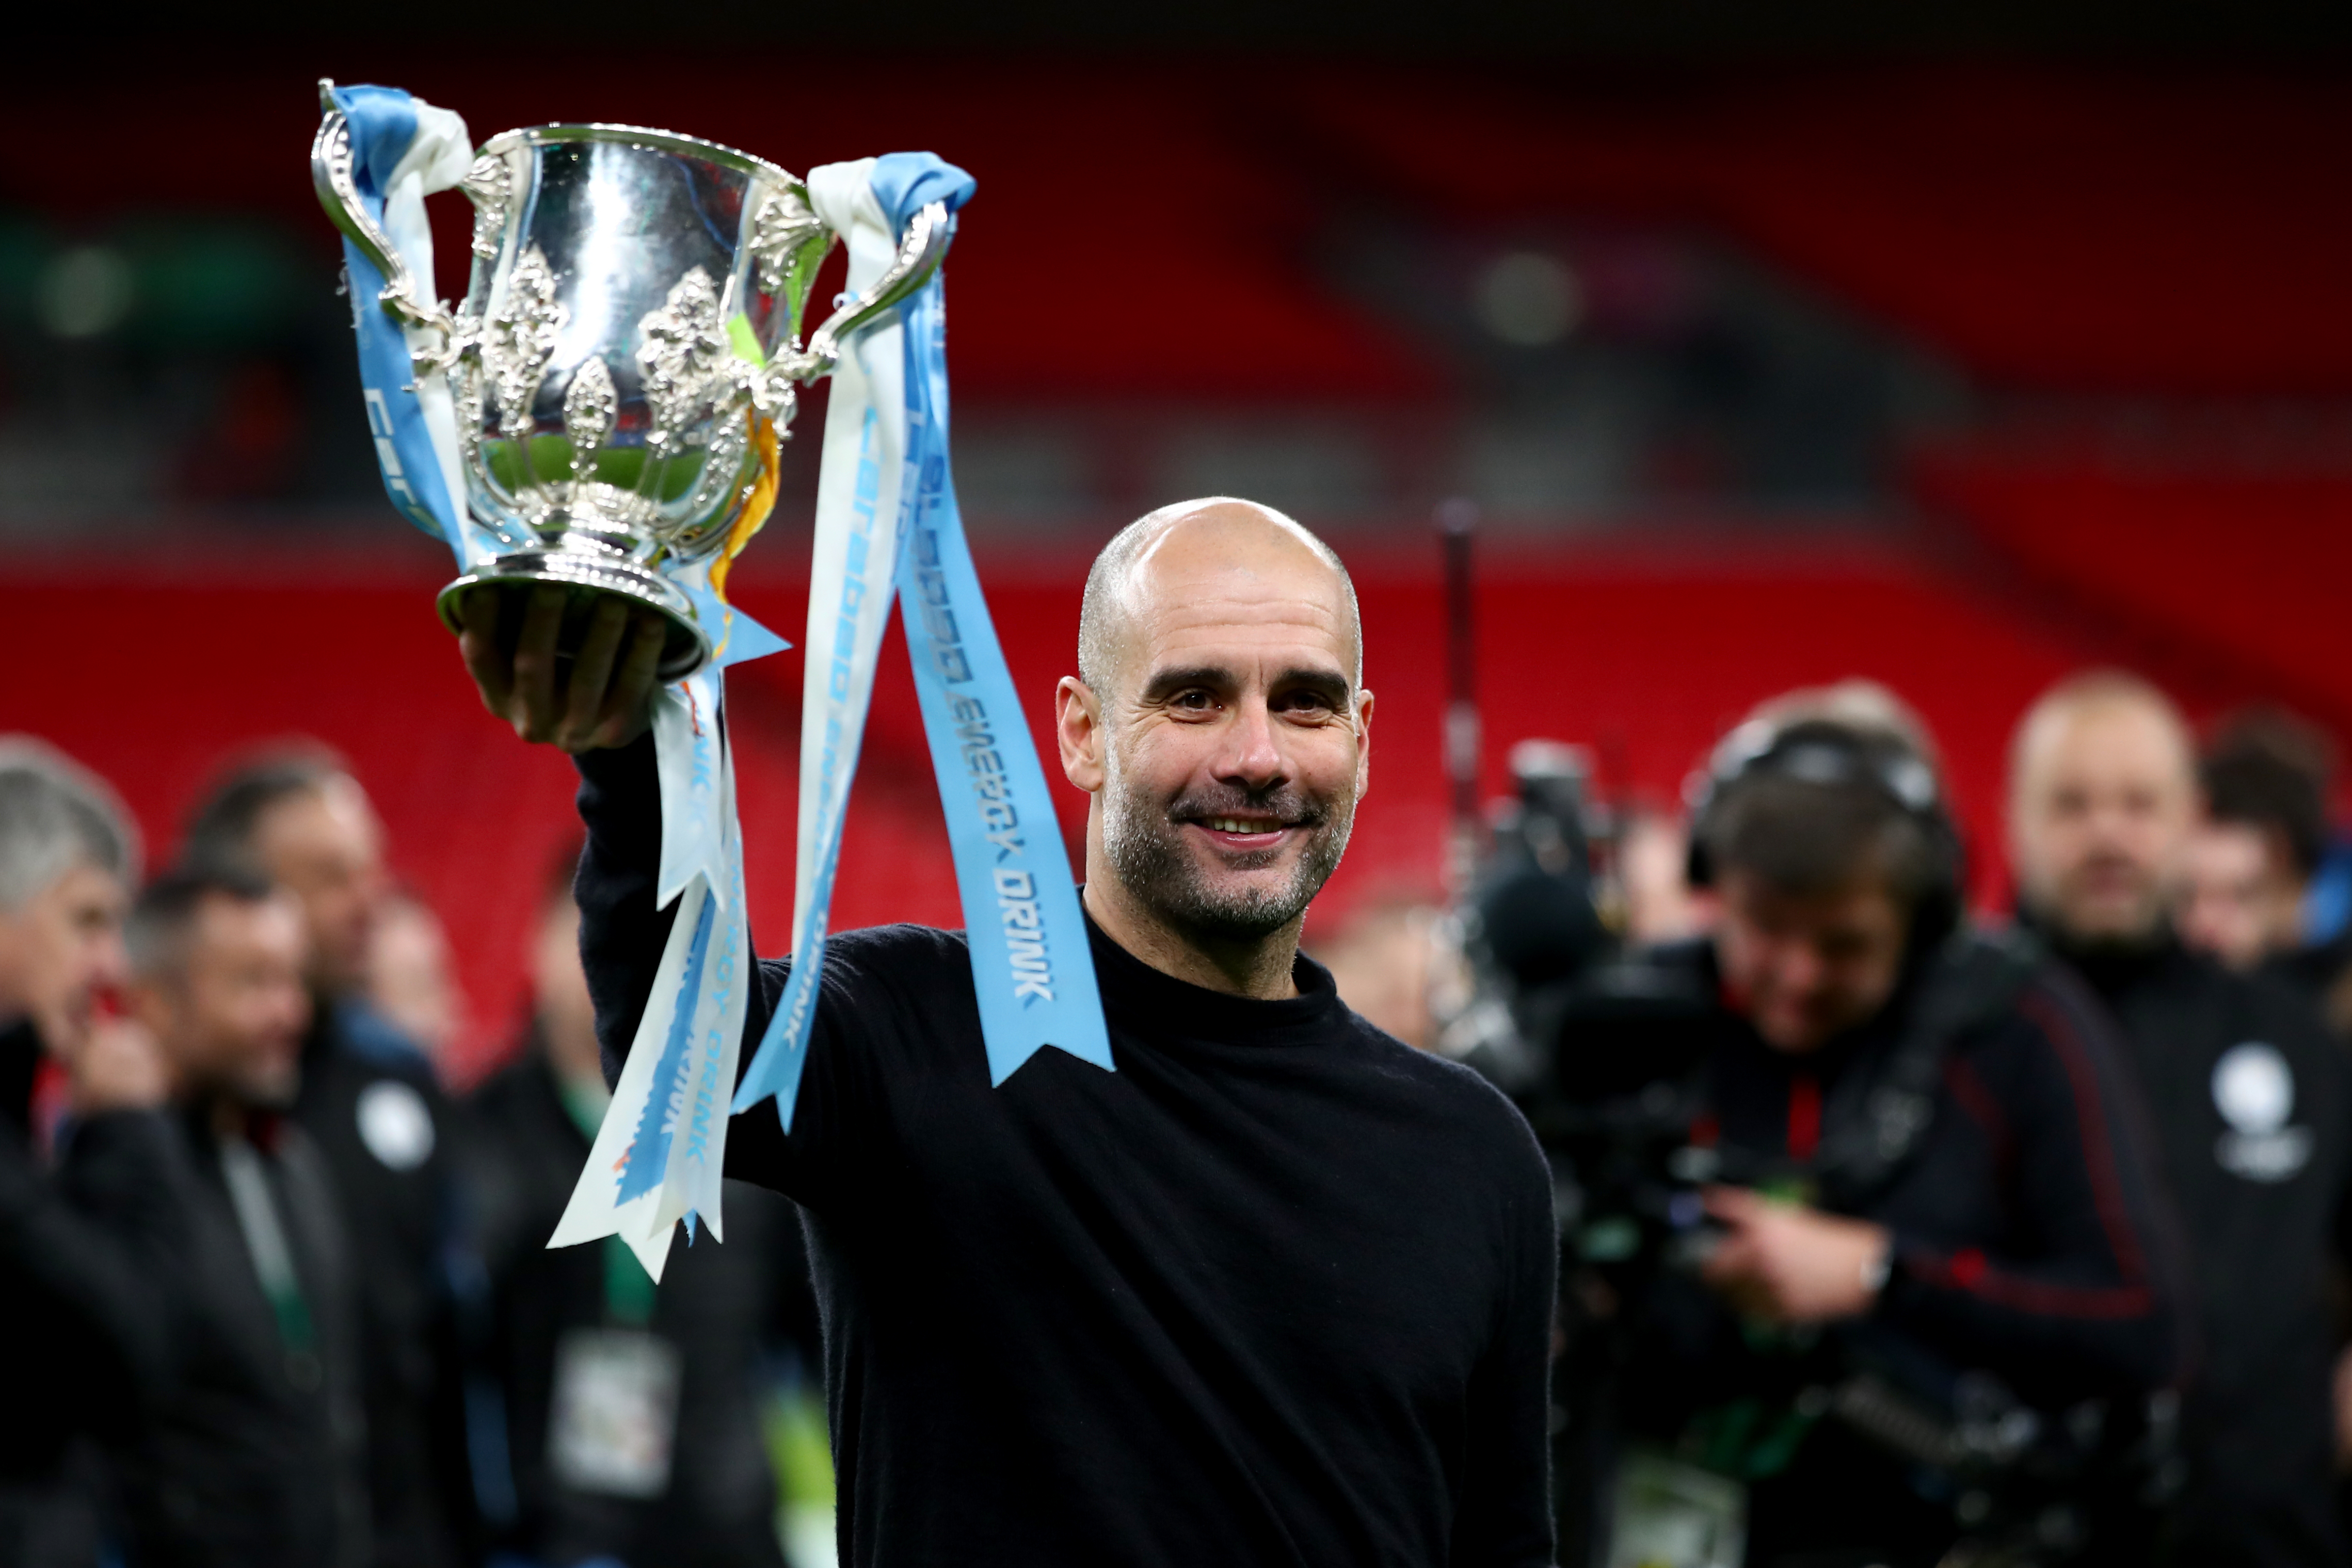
{"type": "Point", "coordinates": [1930, 1218]}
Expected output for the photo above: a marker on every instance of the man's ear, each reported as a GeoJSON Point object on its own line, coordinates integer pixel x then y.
{"type": "Point", "coordinates": [1363, 744]}
{"type": "Point", "coordinates": [1078, 725]}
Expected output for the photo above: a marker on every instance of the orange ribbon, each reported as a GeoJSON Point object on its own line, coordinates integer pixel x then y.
{"type": "Point", "coordinates": [756, 506]}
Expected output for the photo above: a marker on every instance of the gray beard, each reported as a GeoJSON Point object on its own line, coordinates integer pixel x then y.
{"type": "Point", "coordinates": [1144, 846]}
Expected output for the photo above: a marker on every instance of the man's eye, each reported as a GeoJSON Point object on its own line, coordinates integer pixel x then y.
{"type": "Point", "coordinates": [1195, 701]}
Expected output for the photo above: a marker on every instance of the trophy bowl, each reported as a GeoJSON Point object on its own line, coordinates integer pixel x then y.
{"type": "Point", "coordinates": [625, 282]}
{"type": "Point", "coordinates": [626, 359]}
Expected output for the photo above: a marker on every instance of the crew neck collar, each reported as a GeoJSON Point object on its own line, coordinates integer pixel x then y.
{"type": "Point", "coordinates": [265, 1128]}
{"type": "Point", "coordinates": [1145, 1000]}
{"type": "Point", "coordinates": [2108, 967]}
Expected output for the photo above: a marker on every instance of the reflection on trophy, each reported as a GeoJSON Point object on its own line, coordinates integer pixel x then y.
{"type": "Point", "coordinates": [626, 356]}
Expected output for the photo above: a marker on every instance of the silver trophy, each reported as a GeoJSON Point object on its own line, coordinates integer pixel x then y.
{"type": "Point", "coordinates": [629, 338]}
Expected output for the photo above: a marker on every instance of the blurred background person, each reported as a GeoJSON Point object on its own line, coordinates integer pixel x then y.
{"type": "Point", "coordinates": [252, 1453]}
{"type": "Point", "coordinates": [1653, 872]}
{"type": "Point", "coordinates": [77, 1308]}
{"type": "Point", "coordinates": [2255, 851]}
{"type": "Point", "coordinates": [1842, 1181]}
{"type": "Point", "coordinates": [412, 982]}
{"type": "Point", "coordinates": [1380, 960]}
{"type": "Point", "coordinates": [2252, 1104]}
{"type": "Point", "coordinates": [635, 1416]}
{"type": "Point", "coordinates": [369, 1102]}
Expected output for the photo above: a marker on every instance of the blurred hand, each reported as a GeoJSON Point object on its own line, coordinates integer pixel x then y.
{"type": "Point", "coordinates": [119, 1067]}
{"type": "Point", "coordinates": [2344, 1411]}
{"type": "Point", "coordinates": [1784, 1264]}
{"type": "Point", "coordinates": [605, 700]}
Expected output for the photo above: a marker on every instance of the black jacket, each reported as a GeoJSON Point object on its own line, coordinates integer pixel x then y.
{"type": "Point", "coordinates": [1278, 1291]}
{"type": "Point", "coordinates": [724, 1307]}
{"type": "Point", "coordinates": [2029, 1243]}
{"type": "Point", "coordinates": [380, 1123]}
{"type": "Point", "coordinates": [2252, 1103]}
{"type": "Point", "coordinates": [249, 1453]}
{"type": "Point", "coordinates": [85, 1331]}
{"type": "Point", "coordinates": [2318, 972]}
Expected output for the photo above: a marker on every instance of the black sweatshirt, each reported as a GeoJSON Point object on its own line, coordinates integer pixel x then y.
{"type": "Point", "coordinates": [249, 1455]}
{"type": "Point", "coordinates": [2252, 1103]}
{"type": "Point", "coordinates": [397, 1208]}
{"type": "Point", "coordinates": [1278, 1291]}
{"type": "Point", "coordinates": [87, 1340]}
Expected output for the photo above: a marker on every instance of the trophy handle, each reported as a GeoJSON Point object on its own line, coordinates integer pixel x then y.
{"type": "Point", "coordinates": [921, 249]}
{"type": "Point", "coordinates": [331, 177]}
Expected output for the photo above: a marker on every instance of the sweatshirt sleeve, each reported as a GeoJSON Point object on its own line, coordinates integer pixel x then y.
{"type": "Point", "coordinates": [622, 934]}
{"type": "Point", "coordinates": [1504, 1519]}
{"type": "Point", "coordinates": [2086, 1286]}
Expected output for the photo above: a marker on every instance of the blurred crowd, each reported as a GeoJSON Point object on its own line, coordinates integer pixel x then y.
{"type": "Point", "coordinates": [275, 1295]}
{"type": "Point", "coordinates": [1896, 1233]}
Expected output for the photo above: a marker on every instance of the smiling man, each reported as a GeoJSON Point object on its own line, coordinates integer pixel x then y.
{"type": "Point", "coordinates": [1278, 1290]}
{"type": "Point", "coordinates": [1220, 721]}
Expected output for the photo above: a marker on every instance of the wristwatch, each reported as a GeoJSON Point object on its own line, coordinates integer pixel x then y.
{"type": "Point", "coordinates": [1877, 1267]}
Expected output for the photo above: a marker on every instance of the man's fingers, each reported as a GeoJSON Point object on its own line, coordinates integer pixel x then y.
{"type": "Point", "coordinates": [1732, 1205]}
{"type": "Point", "coordinates": [533, 704]}
{"type": "Point", "coordinates": [1737, 1257]}
{"type": "Point", "coordinates": [625, 704]}
{"type": "Point", "coordinates": [479, 642]}
{"type": "Point", "coordinates": [591, 667]}
{"type": "Point", "coordinates": [1733, 1259]}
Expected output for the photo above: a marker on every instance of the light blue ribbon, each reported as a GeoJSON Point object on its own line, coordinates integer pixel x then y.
{"type": "Point", "coordinates": [1031, 964]}
{"type": "Point", "coordinates": [646, 1164]}
{"type": "Point", "coordinates": [1033, 970]}
{"type": "Point", "coordinates": [383, 121]}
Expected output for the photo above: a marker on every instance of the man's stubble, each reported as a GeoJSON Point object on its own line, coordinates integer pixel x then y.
{"type": "Point", "coordinates": [1142, 838]}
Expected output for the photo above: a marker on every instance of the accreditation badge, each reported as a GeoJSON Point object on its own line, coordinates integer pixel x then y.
{"type": "Point", "coordinates": [613, 1422]}
{"type": "Point", "coordinates": [1670, 1514]}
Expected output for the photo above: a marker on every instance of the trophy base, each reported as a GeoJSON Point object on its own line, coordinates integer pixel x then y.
{"type": "Point", "coordinates": [685, 650]}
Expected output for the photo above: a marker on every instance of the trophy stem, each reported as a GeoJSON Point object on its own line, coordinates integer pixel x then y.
{"type": "Point", "coordinates": [686, 647]}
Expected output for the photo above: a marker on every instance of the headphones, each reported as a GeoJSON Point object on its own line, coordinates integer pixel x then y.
{"type": "Point", "coordinates": [1833, 755]}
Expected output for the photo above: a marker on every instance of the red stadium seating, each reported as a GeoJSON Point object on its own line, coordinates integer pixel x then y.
{"type": "Point", "coordinates": [1645, 654]}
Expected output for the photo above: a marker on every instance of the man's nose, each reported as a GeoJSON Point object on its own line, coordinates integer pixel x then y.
{"type": "Point", "coordinates": [110, 965]}
{"type": "Point", "coordinates": [1251, 756]}
{"type": "Point", "coordinates": [1800, 969]}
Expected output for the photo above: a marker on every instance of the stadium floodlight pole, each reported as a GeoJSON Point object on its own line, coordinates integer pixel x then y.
{"type": "Point", "coordinates": [1457, 518]}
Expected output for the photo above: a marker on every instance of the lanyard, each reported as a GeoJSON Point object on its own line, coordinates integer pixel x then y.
{"type": "Point", "coordinates": [264, 1242]}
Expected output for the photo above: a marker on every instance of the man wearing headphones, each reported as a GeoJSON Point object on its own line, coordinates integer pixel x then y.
{"type": "Point", "coordinates": [1931, 1263]}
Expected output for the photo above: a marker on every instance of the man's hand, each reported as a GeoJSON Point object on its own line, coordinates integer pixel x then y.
{"type": "Point", "coordinates": [119, 1067]}
{"type": "Point", "coordinates": [1784, 1264]}
{"type": "Point", "coordinates": [603, 702]}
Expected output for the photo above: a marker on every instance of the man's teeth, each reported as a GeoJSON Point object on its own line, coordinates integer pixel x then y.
{"type": "Point", "coordinates": [1235, 824]}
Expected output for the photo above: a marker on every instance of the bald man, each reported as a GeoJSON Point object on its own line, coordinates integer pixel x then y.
{"type": "Point", "coordinates": [1278, 1289]}
{"type": "Point", "coordinates": [2250, 1100]}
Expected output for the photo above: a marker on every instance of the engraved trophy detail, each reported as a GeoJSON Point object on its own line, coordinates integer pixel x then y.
{"type": "Point", "coordinates": [627, 353]}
